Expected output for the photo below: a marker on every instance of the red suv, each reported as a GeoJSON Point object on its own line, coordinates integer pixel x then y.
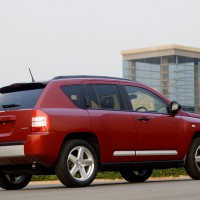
{"type": "Point", "coordinates": [75, 126]}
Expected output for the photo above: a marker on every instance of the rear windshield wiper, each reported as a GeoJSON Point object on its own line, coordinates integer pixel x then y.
{"type": "Point", "coordinates": [10, 105]}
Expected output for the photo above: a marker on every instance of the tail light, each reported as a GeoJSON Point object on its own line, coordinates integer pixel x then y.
{"type": "Point", "coordinates": [40, 121]}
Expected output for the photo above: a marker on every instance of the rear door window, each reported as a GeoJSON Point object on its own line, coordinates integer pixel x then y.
{"type": "Point", "coordinates": [104, 96]}
{"type": "Point", "coordinates": [20, 96]}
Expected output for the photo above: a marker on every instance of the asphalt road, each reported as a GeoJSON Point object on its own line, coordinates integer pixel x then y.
{"type": "Point", "coordinates": [151, 190]}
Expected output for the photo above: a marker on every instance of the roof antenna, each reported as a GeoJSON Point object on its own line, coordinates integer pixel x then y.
{"type": "Point", "coordinates": [31, 75]}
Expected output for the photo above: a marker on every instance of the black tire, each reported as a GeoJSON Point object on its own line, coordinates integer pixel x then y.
{"type": "Point", "coordinates": [192, 165]}
{"type": "Point", "coordinates": [77, 164]}
{"type": "Point", "coordinates": [14, 182]}
{"type": "Point", "coordinates": [136, 176]}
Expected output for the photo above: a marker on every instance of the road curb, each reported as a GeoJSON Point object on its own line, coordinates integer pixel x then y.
{"type": "Point", "coordinates": [114, 180]}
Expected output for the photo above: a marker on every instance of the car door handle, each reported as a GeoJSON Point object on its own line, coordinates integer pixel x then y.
{"type": "Point", "coordinates": [143, 119]}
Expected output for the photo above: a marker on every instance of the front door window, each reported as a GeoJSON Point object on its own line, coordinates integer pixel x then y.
{"type": "Point", "coordinates": [144, 101]}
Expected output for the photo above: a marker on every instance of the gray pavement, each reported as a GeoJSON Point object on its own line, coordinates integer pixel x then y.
{"type": "Point", "coordinates": [161, 189]}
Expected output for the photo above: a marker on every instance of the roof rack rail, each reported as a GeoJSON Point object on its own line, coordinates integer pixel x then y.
{"type": "Point", "coordinates": [89, 76]}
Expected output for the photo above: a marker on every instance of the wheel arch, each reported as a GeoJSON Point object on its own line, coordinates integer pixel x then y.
{"type": "Point", "coordinates": [91, 138]}
{"type": "Point", "coordinates": [192, 165]}
{"type": "Point", "coordinates": [196, 135]}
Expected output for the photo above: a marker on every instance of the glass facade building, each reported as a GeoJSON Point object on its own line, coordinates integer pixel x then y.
{"type": "Point", "coordinates": [173, 70]}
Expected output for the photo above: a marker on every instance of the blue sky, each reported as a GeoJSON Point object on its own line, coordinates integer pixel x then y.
{"type": "Point", "coordinates": [70, 37]}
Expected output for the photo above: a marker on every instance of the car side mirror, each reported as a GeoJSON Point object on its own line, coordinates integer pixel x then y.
{"type": "Point", "coordinates": [175, 107]}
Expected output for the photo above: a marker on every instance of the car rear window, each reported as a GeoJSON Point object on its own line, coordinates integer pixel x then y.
{"type": "Point", "coordinates": [20, 96]}
{"type": "Point", "coordinates": [75, 94]}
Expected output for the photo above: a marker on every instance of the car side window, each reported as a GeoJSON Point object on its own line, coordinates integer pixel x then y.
{"type": "Point", "coordinates": [104, 97]}
{"type": "Point", "coordinates": [75, 94]}
{"type": "Point", "coordinates": [143, 100]}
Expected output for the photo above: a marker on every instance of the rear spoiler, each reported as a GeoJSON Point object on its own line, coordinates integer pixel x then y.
{"type": "Point", "coordinates": [22, 87]}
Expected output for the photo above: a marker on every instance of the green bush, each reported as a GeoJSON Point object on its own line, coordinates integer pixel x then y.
{"type": "Point", "coordinates": [175, 172]}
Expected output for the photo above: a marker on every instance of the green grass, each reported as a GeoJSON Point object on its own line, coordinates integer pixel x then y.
{"type": "Point", "coordinates": [175, 172]}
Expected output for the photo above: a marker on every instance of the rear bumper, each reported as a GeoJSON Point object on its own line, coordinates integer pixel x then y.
{"type": "Point", "coordinates": [40, 148]}
{"type": "Point", "coordinates": [12, 151]}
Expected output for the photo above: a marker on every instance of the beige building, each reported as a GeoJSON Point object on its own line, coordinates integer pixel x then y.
{"type": "Point", "coordinates": [173, 70]}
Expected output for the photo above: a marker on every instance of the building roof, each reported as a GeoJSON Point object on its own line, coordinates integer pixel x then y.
{"type": "Point", "coordinates": [165, 50]}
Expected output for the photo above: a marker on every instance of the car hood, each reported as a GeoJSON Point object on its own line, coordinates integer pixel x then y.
{"type": "Point", "coordinates": [195, 115]}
